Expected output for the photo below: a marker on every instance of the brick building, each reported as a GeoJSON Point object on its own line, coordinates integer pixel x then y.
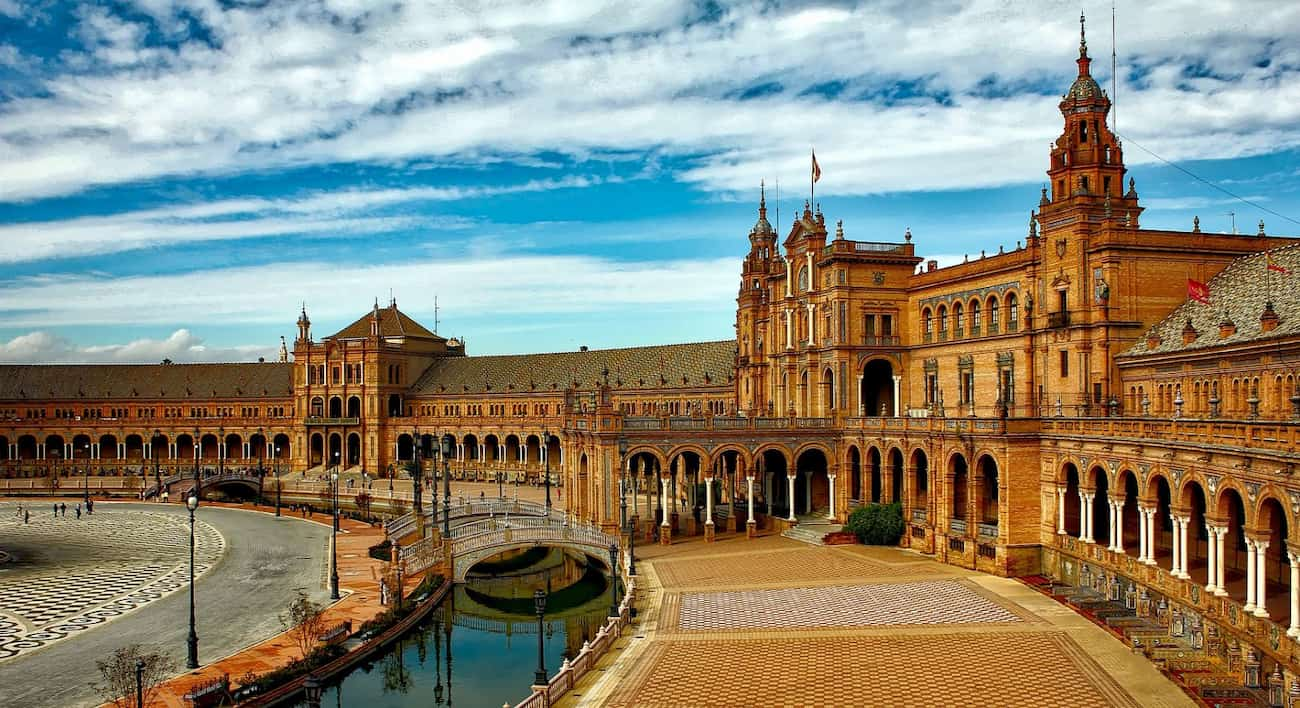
{"type": "Point", "coordinates": [1144, 443]}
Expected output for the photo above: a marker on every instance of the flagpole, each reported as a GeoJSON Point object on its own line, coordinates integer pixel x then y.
{"type": "Point", "coordinates": [812, 181]}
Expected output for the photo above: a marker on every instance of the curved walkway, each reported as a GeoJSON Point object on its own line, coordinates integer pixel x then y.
{"type": "Point", "coordinates": [266, 561]}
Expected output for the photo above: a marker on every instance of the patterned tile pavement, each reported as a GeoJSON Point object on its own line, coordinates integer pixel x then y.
{"type": "Point", "coordinates": [816, 564]}
{"type": "Point", "coordinates": [995, 669]}
{"type": "Point", "coordinates": [906, 603]}
{"type": "Point", "coordinates": [71, 574]}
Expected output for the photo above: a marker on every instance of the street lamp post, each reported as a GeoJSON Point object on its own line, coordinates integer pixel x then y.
{"type": "Point", "coordinates": [448, 443]}
{"type": "Point", "coordinates": [278, 484]}
{"type": "Point", "coordinates": [546, 453]}
{"type": "Point", "coordinates": [192, 660]}
{"type": "Point", "coordinates": [198, 483]}
{"type": "Point", "coordinates": [139, 683]}
{"type": "Point", "coordinates": [539, 603]}
{"type": "Point", "coordinates": [335, 479]}
{"type": "Point", "coordinates": [261, 466]}
{"type": "Point", "coordinates": [334, 538]}
{"type": "Point", "coordinates": [157, 474]}
{"type": "Point", "coordinates": [613, 577]}
{"type": "Point", "coordinates": [624, 521]}
{"type": "Point", "coordinates": [417, 473]}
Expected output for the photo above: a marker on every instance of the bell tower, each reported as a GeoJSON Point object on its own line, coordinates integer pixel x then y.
{"type": "Point", "coordinates": [1087, 162]}
{"type": "Point", "coordinates": [752, 313]}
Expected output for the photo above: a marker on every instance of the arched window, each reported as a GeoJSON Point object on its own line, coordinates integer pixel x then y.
{"type": "Point", "coordinates": [993, 315]}
{"type": "Point", "coordinates": [975, 321]}
{"type": "Point", "coordinates": [959, 314]}
{"type": "Point", "coordinates": [943, 321]}
{"type": "Point", "coordinates": [803, 279]}
{"type": "Point", "coordinates": [1013, 312]}
{"type": "Point", "coordinates": [927, 322]}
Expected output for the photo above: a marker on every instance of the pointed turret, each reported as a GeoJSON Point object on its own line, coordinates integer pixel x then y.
{"type": "Point", "coordinates": [304, 326]}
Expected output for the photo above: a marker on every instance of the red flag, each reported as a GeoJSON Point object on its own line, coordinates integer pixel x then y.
{"type": "Point", "coordinates": [1198, 291]}
{"type": "Point", "coordinates": [1274, 265]}
{"type": "Point", "coordinates": [817, 171]}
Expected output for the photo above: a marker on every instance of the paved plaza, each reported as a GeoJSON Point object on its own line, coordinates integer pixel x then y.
{"type": "Point", "coordinates": [79, 589]}
{"type": "Point", "coordinates": [774, 622]}
{"type": "Point", "coordinates": [68, 574]}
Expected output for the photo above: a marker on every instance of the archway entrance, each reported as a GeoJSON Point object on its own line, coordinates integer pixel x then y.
{"type": "Point", "coordinates": [812, 486]}
{"type": "Point", "coordinates": [877, 393]}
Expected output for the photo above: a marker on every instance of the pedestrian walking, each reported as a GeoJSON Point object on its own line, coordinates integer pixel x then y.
{"type": "Point", "coordinates": [63, 508]}
{"type": "Point", "coordinates": [78, 511]}
{"type": "Point", "coordinates": [90, 506]}
{"type": "Point", "coordinates": [27, 517]}
{"type": "Point", "coordinates": [56, 511]}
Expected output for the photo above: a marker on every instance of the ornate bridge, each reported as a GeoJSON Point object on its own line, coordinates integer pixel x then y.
{"type": "Point", "coordinates": [475, 541]}
{"type": "Point", "coordinates": [244, 479]}
{"type": "Point", "coordinates": [406, 524]}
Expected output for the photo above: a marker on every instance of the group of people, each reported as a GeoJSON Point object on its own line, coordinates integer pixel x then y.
{"type": "Point", "coordinates": [60, 509]}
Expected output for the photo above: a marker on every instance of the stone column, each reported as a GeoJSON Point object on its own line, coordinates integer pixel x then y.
{"type": "Point", "coordinates": [812, 325]}
{"type": "Point", "coordinates": [1117, 524]}
{"type": "Point", "coordinates": [1212, 562]}
{"type": "Point", "coordinates": [898, 398]}
{"type": "Point", "coordinates": [1060, 511]}
{"type": "Point", "coordinates": [790, 478]}
{"type": "Point", "coordinates": [789, 328]}
{"type": "Point", "coordinates": [708, 508]}
{"type": "Point", "coordinates": [1085, 517]}
{"type": "Point", "coordinates": [1143, 524]}
{"type": "Point", "coordinates": [1261, 578]}
{"type": "Point", "coordinates": [1294, 629]}
{"type": "Point", "coordinates": [1181, 530]}
{"type": "Point", "coordinates": [831, 514]}
{"type": "Point", "coordinates": [862, 405]}
{"type": "Point", "coordinates": [1250, 575]}
{"type": "Point", "coordinates": [665, 528]}
{"type": "Point", "coordinates": [1175, 546]}
{"type": "Point", "coordinates": [751, 525]}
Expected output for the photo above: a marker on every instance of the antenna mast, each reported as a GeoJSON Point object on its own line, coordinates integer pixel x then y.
{"type": "Point", "coordinates": [435, 314]}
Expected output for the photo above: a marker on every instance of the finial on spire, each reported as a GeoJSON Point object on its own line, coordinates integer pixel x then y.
{"type": "Point", "coordinates": [762, 198]}
{"type": "Point", "coordinates": [1196, 224]}
{"type": "Point", "coordinates": [1083, 38]}
{"type": "Point", "coordinates": [839, 230]}
{"type": "Point", "coordinates": [1033, 225]}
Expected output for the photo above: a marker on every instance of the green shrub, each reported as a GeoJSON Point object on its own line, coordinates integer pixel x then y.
{"type": "Point", "coordinates": [877, 524]}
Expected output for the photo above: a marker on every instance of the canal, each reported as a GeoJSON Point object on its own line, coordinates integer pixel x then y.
{"type": "Point", "coordinates": [479, 646]}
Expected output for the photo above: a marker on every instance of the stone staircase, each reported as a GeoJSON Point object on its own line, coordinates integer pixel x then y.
{"type": "Point", "coordinates": [812, 528]}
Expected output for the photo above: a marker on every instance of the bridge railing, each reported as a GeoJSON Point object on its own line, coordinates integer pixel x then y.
{"type": "Point", "coordinates": [421, 555]}
{"type": "Point", "coordinates": [574, 669]}
{"type": "Point", "coordinates": [491, 532]}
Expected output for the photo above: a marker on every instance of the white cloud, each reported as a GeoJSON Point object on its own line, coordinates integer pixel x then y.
{"type": "Point", "coordinates": [10, 8]}
{"type": "Point", "coordinates": [485, 286]}
{"type": "Point", "coordinates": [317, 213]}
{"type": "Point", "coordinates": [297, 83]}
{"type": "Point", "coordinates": [182, 346]}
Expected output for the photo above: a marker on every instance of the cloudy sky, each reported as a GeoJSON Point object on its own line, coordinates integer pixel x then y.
{"type": "Point", "coordinates": [178, 176]}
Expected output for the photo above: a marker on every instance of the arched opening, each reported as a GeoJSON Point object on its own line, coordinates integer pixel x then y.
{"type": "Point", "coordinates": [873, 464]}
{"type": "Point", "coordinates": [1198, 535]}
{"type": "Point", "coordinates": [280, 445]}
{"type": "Point", "coordinates": [317, 407]}
{"type": "Point", "coordinates": [234, 447]}
{"type": "Point", "coordinates": [405, 448]}
{"type": "Point", "coordinates": [335, 457]}
{"type": "Point", "coordinates": [878, 388]}
{"type": "Point", "coordinates": [812, 485]}
{"type": "Point", "coordinates": [108, 447]}
{"type": "Point", "coordinates": [775, 489]}
{"type": "Point", "coordinates": [855, 475]}
{"type": "Point", "coordinates": [27, 447]}
{"type": "Point", "coordinates": [1271, 521]}
{"type": "Point", "coordinates": [828, 392]}
{"type": "Point", "coordinates": [1231, 509]}
{"type": "Point", "coordinates": [512, 448]}
{"type": "Point", "coordinates": [804, 410]}
{"type": "Point", "coordinates": [1163, 534]}
{"type": "Point", "coordinates": [354, 407]}
{"type": "Point", "coordinates": [491, 449]}
{"type": "Point", "coordinates": [920, 481]}
{"type": "Point", "coordinates": [394, 405]}
{"type": "Point", "coordinates": [80, 447]}
{"type": "Point", "coordinates": [685, 485]}
{"type": "Point", "coordinates": [533, 450]}
{"type": "Point", "coordinates": [257, 446]}
{"type": "Point", "coordinates": [1130, 529]}
{"type": "Point", "coordinates": [1100, 509]}
{"type": "Point", "coordinates": [134, 445]}
{"type": "Point", "coordinates": [186, 448]}
{"type": "Point", "coordinates": [988, 501]}
{"type": "Point", "coordinates": [354, 450]}
{"type": "Point", "coordinates": [896, 475]}
{"type": "Point", "coordinates": [209, 447]}
{"type": "Point", "coordinates": [336, 407]}
{"type": "Point", "coordinates": [1072, 525]}
{"type": "Point", "coordinates": [957, 469]}
{"type": "Point", "coordinates": [160, 447]}
{"type": "Point", "coordinates": [553, 452]}
{"type": "Point", "coordinates": [1013, 313]}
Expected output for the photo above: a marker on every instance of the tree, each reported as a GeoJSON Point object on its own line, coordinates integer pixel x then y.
{"type": "Point", "coordinates": [118, 674]}
{"type": "Point", "coordinates": [877, 524]}
{"type": "Point", "coordinates": [304, 621]}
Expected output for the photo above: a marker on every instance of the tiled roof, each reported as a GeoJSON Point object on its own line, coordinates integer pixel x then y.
{"type": "Point", "coordinates": [392, 323]}
{"type": "Point", "coordinates": [178, 382]}
{"type": "Point", "coordinates": [680, 365]}
{"type": "Point", "coordinates": [1241, 289]}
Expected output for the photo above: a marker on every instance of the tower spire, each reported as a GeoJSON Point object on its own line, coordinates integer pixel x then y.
{"type": "Point", "coordinates": [1083, 38]}
{"type": "Point", "coordinates": [762, 198]}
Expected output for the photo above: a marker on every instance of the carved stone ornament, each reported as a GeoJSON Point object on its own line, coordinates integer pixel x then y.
{"type": "Point", "coordinates": [1113, 465]}
{"type": "Point", "coordinates": [1060, 247]}
{"type": "Point", "coordinates": [878, 277]}
{"type": "Point", "coordinates": [1295, 502]}
{"type": "Point", "coordinates": [1252, 490]}
{"type": "Point", "coordinates": [1178, 477]}
{"type": "Point", "coordinates": [1212, 481]}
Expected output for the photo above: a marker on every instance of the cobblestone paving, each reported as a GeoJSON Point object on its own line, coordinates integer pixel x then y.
{"type": "Point", "coordinates": [994, 669]}
{"type": "Point", "coordinates": [814, 564]}
{"type": "Point", "coordinates": [907, 603]}
{"type": "Point", "coordinates": [71, 574]}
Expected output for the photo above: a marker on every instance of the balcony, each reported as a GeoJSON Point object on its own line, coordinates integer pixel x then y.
{"type": "Point", "coordinates": [1058, 320]}
{"type": "Point", "coordinates": [987, 530]}
{"type": "Point", "coordinates": [317, 421]}
{"type": "Point", "coordinates": [957, 526]}
{"type": "Point", "coordinates": [880, 340]}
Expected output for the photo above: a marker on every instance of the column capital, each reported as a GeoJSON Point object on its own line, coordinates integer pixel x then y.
{"type": "Point", "coordinates": [1182, 519]}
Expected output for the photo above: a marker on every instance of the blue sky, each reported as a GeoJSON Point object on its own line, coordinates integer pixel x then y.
{"type": "Point", "coordinates": [178, 176]}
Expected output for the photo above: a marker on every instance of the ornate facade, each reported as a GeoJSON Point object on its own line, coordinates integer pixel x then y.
{"type": "Point", "coordinates": [1055, 408]}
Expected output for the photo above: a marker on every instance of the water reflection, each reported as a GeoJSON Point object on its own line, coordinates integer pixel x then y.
{"type": "Point", "coordinates": [489, 625]}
